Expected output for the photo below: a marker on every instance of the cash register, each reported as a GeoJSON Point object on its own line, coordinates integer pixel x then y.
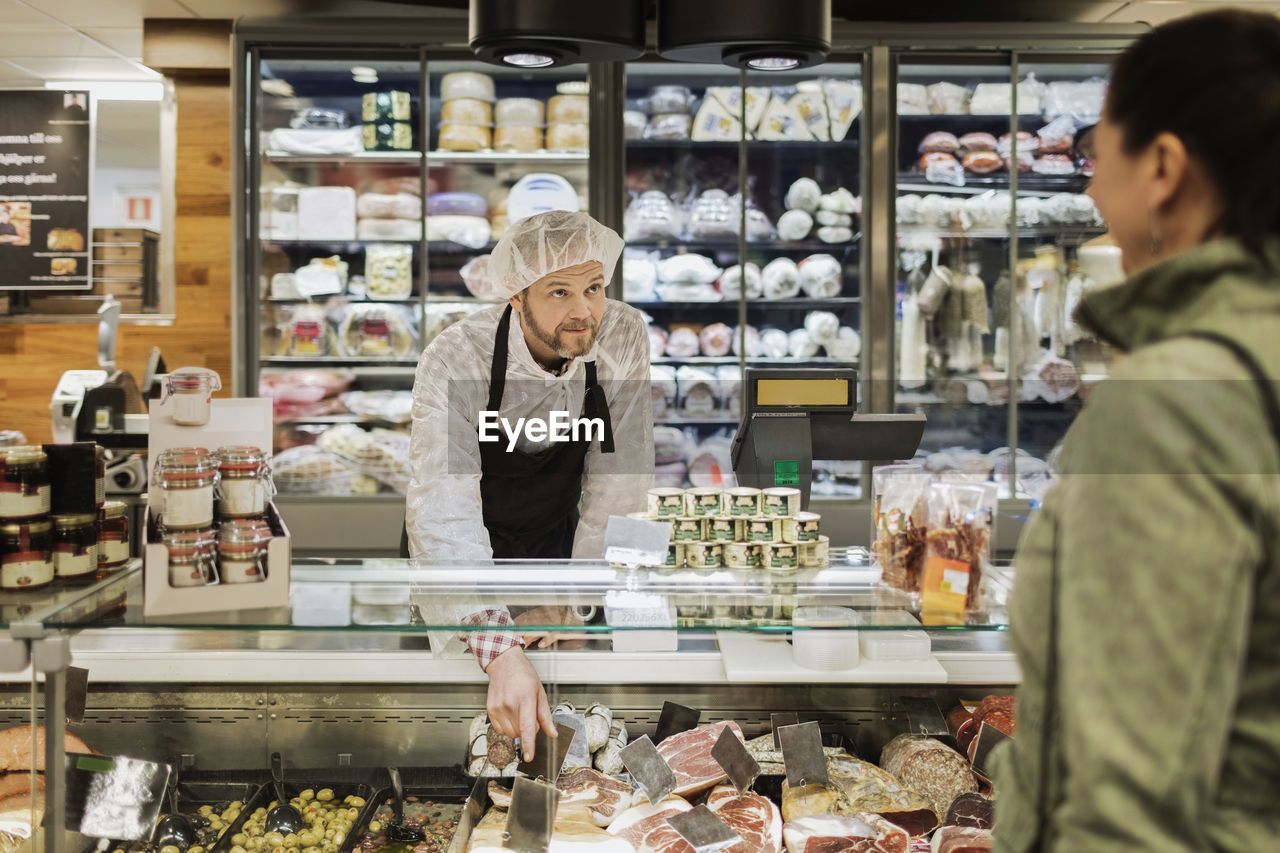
{"type": "Point", "coordinates": [792, 416]}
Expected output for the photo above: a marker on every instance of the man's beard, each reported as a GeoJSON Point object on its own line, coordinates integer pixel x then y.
{"type": "Point", "coordinates": [564, 349]}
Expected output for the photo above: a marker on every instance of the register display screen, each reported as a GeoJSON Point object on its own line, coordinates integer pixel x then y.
{"type": "Point", "coordinates": [803, 392]}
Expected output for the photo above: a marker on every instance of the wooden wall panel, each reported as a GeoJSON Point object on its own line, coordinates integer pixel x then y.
{"type": "Point", "coordinates": [33, 356]}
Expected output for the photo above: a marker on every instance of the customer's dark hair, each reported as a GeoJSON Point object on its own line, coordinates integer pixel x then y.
{"type": "Point", "coordinates": [1212, 80]}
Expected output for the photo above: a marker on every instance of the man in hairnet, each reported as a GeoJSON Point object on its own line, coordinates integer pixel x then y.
{"type": "Point", "coordinates": [557, 346]}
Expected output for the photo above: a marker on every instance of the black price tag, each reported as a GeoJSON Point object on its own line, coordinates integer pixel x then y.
{"type": "Point", "coordinates": [733, 758]}
{"type": "Point", "coordinates": [802, 754]}
{"type": "Point", "coordinates": [705, 832]}
{"type": "Point", "coordinates": [923, 716]}
{"type": "Point", "coordinates": [675, 719]}
{"type": "Point", "coordinates": [548, 754]}
{"type": "Point", "coordinates": [987, 739]}
{"type": "Point", "coordinates": [650, 770]}
{"type": "Point", "coordinates": [77, 693]}
{"type": "Point", "coordinates": [114, 797]}
{"type": "Point", "coordinates": [532, 816]}
{"type": "Point", "coordinates": [780, 720]}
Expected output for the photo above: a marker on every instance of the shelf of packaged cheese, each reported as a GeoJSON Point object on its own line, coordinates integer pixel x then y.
{"type": "Point", "coordinates": [973, 184]}
{"type": "Point", "coordinates": [379, 157]}
{"type": "Point", "coordinates": [1067, 233]}
{"type": "Point", "coordinates": [790, 146]}
{"type": "Point", "coordinates": [816, 361]}
{"type": "Point", "coordinates": [969, 120]}
{"type": "Point", "coordinates": [731, 245]}
{"type": "Point", "coordinates": [697, 600]}
{"type": "Point", "coordinates": [797, 304]}
{"type": "Point", "coordinates": [442, 157]}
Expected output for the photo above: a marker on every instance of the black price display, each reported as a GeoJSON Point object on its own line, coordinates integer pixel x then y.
{"type": "Point", "coordinates": [44, 190]}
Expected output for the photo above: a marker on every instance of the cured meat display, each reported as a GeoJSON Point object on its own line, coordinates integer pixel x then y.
{"type": "Point", "coordinates": [930, 767]}
{"type": "Point", "coordinates": [859, 833]}
{"type": "Point", "coordinates": [996, 711]}
{"type": "Point", "coordinates": [868, 788]}
{"type": "Point", "coordinates": [645, 827]}
{"type": "Point", "coordinates": [604, 797]}
{"type": "Point", "coordinates": [573, 832]}
{"type": "Point", "coordinates": [689, 754]}
{"type": "Point", "coordinates": [752, 816]}
{"type": "Point", "coordinates": [961, 839]}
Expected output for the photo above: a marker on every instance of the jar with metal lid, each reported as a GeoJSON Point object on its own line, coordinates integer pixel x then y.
{"type": "Point", "coordinates": [113, 535]}
{"type": "Point", "coordinates": [187, 483]}
{"type": "Point", "coordinates": [243, 477]}
{"type": "Point", "coordinates": [192, 391]}
{"type": "Point", "coordinates": [26, 554]}
{"type": "Point", "coordinates": [242, 550]}
{"type": "Point", "coordinates": [24, 482]}
{"type": "Point", "coordinates": [99, 475]}
{"type": "Point", "coordinates": [75, 547]}
{"type": "Point", "coordinates": [191, 556]}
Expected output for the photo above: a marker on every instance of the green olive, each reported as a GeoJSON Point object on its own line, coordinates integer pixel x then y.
{"type": "Point", "coordinates": [275, 839]}
{"type": "Point", "coordinates": [195, 849]}
{"type": "Point", "coordinates": [170, 848]}
{"type": "Point", "coordinates": [375, 826]}
{"type": "Point", "coordinates": [238, 849]}
{"type": "Point", "coordinates": [308, 794]}
{"type": "Point", "coordinates": [324, 795]}
{"type": "Point", "coordinates": [311, 850]}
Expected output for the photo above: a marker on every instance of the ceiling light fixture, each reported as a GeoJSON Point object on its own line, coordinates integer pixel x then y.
{"type": "Point", "coordinates": [547, 33]}
{"type": "Point", "coordinates": [760, 35]}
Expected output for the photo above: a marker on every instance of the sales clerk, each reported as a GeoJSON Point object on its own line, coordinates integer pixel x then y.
{"type": "Point", "coordinates": [558, 349]}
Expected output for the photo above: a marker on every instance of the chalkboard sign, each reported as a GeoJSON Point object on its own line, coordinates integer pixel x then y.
{"type": "Point", "coordinates": [44, 190]}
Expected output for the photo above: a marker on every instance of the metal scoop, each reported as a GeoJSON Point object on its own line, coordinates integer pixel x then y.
{"type": "Point", "coordinates": [396, 830]}
{"type": "Point", "coordinates": [175, 829]}
{"type": "Point", "coordinates": [284, 818]}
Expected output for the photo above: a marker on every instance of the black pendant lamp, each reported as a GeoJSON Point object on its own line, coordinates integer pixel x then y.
{"type": "Point", "coordinates": [547, 33]}
{"type": "Point", "coordinates": [759, 35]}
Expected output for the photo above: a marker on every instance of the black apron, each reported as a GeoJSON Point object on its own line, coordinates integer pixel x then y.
{"type": "Point", "coordinates": [531, 500]}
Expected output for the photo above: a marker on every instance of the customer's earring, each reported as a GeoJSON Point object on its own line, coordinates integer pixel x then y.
{"type": "Point", "coordinates": [1157, 243]}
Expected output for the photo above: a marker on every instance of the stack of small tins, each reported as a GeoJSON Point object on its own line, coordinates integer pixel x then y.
{"type": "Point", "coordinates": [52, 499]}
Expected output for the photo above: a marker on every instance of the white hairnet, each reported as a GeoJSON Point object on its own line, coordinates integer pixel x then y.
{"type": "Point", "coordinates": [540, 244]}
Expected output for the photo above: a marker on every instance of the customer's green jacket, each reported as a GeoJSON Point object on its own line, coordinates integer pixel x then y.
{"type": "Point", "coordinates": [1164, 533]}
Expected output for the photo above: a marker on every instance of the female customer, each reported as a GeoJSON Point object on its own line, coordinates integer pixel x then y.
{"type": "Point", "coordinates": [1146, 612]}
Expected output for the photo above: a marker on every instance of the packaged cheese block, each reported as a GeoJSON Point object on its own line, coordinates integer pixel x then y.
{"type": "Point", "coordinates": [948, 99]}
{"type": "Point", "coordinates": [568, 109]}
{"type": "Point", "coordinates": [715, 123]}
{"type": "Point", "coordinates": [466, 84]}
{"type": "Point", "coordinates": [812, 109]}
{"type": "Point", "coordinates": [391, 106]}
{"type": "Point", "coordinates": [388, 206]}
{"type": "Point", "coordinates": [464, 137]}
{"type": "Point", "coordinates": [467, 111]}
{"type": "Point", "coordinates": [780, 123]}
{"type": "Point", "coordinates": [326, 213]}
{"type": "Point", "coordinates": [389, 229]}
{"type": "Point", "coordinates": [388, 136]}
{"type": "Point", "coordinates": [730, 97]}
{"type": "Point", "coordinates": [913, 100]}
{"type": "Point", "coordinates": [517, 137]}
{"type": "Point", "coordinates": [844, 105]}
{"type": "Point", "coordinates": [668, 126]}
{"type": "Point", "coordinates": [567, 137]}
{"type": "Point", "coordinates": [519, 111]}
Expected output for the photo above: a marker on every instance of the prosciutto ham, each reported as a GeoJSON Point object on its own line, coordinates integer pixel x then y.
{"type": "Point", "coordinates": [689, 754]}
{"type": "Point", "coordinates": [645, 827]}
{"type": "Point", "coordinates": [604, 797]}
{"type": "Point", "coordinates": [859, 833]}
{"type": "Point", "coordinates": [961, 839]}
{"type": "Point", "coordinates": [752, 816]}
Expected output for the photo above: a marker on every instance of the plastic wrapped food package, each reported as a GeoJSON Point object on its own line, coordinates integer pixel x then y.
{"type": "Point", "coordinates": [568, 109]}
{"type": "Point", "coordinates": [662, 379]}
{"type": "Point", "coordinates": [466, 84]}
{"type": "Point", "coordinates": [759, 228]}
{"type": "Point", "coordinates": [318, 117]}
{"type": "Point", "coordinates": [470, 231]}
{"type": "Point", "coordinates": [900, 520]}
{"type": "Point", "coordinates": [978, 141]}
{"type": "Point", "coordinates": [713, 216]}
{"type": "Point", "coordinates": [800, 344]}
{"type": "Point", "coordinates": [781, 123]}
{"type": "Point", "coordinates": [913, 99]}
{"type": "Point", "coordinates": [730, 98]}
{"type": "Point", "coordinates": [456, 204]}
{"type": "Point", "coordinates": [907, 210]}
{"type": "Point", "coordinates": [831, 219]}
{"type": "Point", "coordinates": [464, 137]}
{"type": "Point", "coordinates": [392, 406]}
{"type": "Point", "coordinates": [715, 123]}
{"type": "Point", "coordinates": [657, 342]}
{"type": "Point", "coordinates": [389, 229]}
{"type": "Point", "coordinates": [729, 379]}
{"type": "Point", "coordinates": [989, 211]}
{"type": "Point", "coordinates": [715, 340]}
{"type": "Point", "coordinates": [752, 339]}
{"type": "Point", "coordinates": [804, 194]}
{"type": "Point", "coordinates": [376, 331]}
{"type": "Point", "coordinates": [834, 234]}
{"type": "Point", "coordinates": [939, 140]}
{"type": "Point", "coordinates": [794, 225]}
{"type": "Point", "coordinates": [670, 445]}
{"type": "Point", "coordinates": [959, 543]}
{"type": "Point", "coordinates": [938, 211]}
{"type": "Point", "coordinates": [467, 111]}
{"type": "Point", "coordinates": [528, 111]}
{"type": "Point", "coordinates": [1082, 101]}
{"type": "Point", "coordinates": [682, 343]}
{"type": "Point", "coordinates": [388, 206]}
{"type": "Point", "coordinates": [669, 99]}
{"type": "Point", "coordinates": [309, 385]}
{"type": "Point", "coordinates": [475, 275]}
{"type": "Point", "coordinates": [983, 162]}
{"type": "Point", "coordinates": [380, 454]}
{"type": "Point", "coordinates": [823, 327]}
{"type": "Point", "coordinates": [326, 213]}
{"type": "Point", "coordinates": [564, 136]}
{"type": "Point", "coordinates": [847, 346]}
{"type": "Point", "coordinates": [639, 277]}
{"type": "Point", "coordinates": [697, 387]}
{"type": "Point", "coordinates": [321, 277]}
{"type": "Point", "coordinates": [948, 99]}
{"type": "Point", "coordinates": [688, 267]}
{"type": "Point", "coordinates": [812, 109]}
{"type": "Point", "coordinates": [633, 124]}
{"type": "Point", "coordinates": [821, 276]}
{"type": "Point", "coordinates": [731, 282]}
{"type": "Point", "coordinates": [517, 137]}
{"type": "Point", "coordinates": [940, 168]}
{"type": "Point", "coordinates": [387, 136]}
{"type": "Point", "coordinates": [1056, 137]}
{"type": "Point", "coordinates": [781, 279]}
{"type": "Point", "coordinates": [307, 333]}
{"type": "Point", "coordinates": [652, 216]}
{"type": "Point", "coordinates": [316, 141]}
{"type": "Point", "coordinates": [308, 469]}
{"type": "Point", "coordinates": [774, 343]}
{"type": "Point", "coordinates": [388, 271]}
{"type": "Point", "coordinates": [668, 126]}
{"type": "Point", "coordinates": [711, 463]}
{"type": "Point", "coordinates": [1053, 164]}
{"type": "Point", "coordinates": [442, 315]}
{"type": "Point", "coordinates": [840, 200]}
{"type": "Point", "coordinates": [388, 106]}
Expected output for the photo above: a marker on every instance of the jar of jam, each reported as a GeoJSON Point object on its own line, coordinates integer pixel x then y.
{"type": "Point", "coordinates": [192, 391]}
{"type": "Point", "coordinates": [191, 556]}
{"type": "Point", "coordinates": [243, 478]}
{"type": "Point", "coordinates": [186, 482]}
{"type": "Point", "coordinates": [26, 554]}
{"type": "Point", "coordinates": [242, 551]}
{"type": "Point", "coordinates": [113, 535]}
{"type": "Point", "coordinates": [75, 547]}
{"type": "Point", "coordinates": [24, 482]}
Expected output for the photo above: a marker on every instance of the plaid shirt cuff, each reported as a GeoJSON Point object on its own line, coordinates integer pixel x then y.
{"type": "Point", "coordinates": [487, 645]}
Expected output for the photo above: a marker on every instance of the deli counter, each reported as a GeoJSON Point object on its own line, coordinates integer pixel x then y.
{"type": "Point", "coordinates": [365, 668]}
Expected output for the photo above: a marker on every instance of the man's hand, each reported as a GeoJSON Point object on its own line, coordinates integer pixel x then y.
{"type": "Point", "coordinates": [517, 701]}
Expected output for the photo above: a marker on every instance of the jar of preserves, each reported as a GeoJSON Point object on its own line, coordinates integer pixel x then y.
{"type": "Point", "coordinates": [26, 554]}
{"type": "Point", "coordinates": [191, 556]}
{"type": "Point", "coordinates": [243, 477]}
{"type": "Point", "coordinates": [75, 547]}
{"type": "Point", "coordinates": [24, 482]}
{"type": "Point", "coordinates": [192, 391]}
{"type": "Point", "coordinates": [113, 535]}
{"type": "Point", "coordinates": [242, 550]}
{"type": "Point", "coordinates": [186, 482]}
